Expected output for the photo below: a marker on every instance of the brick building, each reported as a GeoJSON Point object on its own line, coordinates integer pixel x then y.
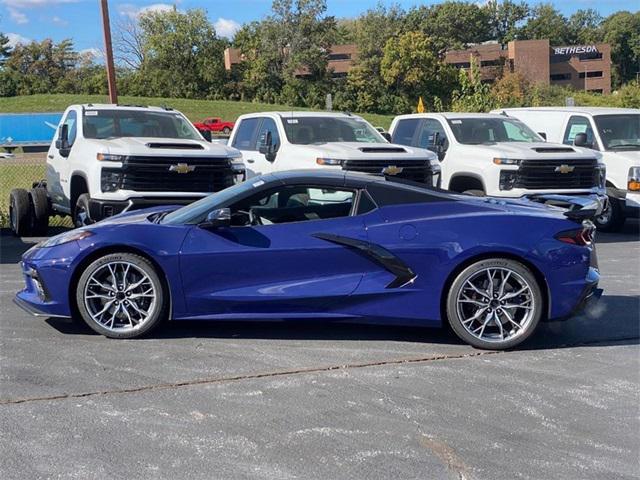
{"type": "Point", "coordinates": [583, 67]}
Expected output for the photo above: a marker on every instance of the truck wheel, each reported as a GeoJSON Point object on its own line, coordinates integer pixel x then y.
{"type": "Point", "coordinates": [20, 212]}
{"type": "Point", "coordinates": [475, 193]}
{"type": "Point", "coordinates": [40, 202]}
{"type": "Point", "coordinates": [81, 216]}
{"type": "Point", "coordinates": [612, 219]}
{"type": "Point", "coordinates": [226, 130]}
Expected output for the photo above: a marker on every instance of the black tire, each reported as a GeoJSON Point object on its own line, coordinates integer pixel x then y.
{"type": "Point", "coordinates": [157, 312]}
{"type": "Point", "coordinates": [81, 212]}
{"type": "Point", "coordinates": [20, 212]}
{"type": "Point", "coordinates": [40, 204]}
{"type": "Point", "coordinates": [226, 130]}
{"type": "Point", "coordinates": [476, 270]}
{"type": "Point", "coordinates": [475, 193]}
{"type": "Point", "coordinates": [611, 219]}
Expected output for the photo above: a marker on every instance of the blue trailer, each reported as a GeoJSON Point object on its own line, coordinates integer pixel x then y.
{"type": "Point", "coordinates": [31, 131]}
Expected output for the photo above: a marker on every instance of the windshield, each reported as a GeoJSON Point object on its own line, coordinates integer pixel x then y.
{"type": "Point", "coordinates": [619, 132]}
{"type": "Point", "coordinates": [475, 131]}
{"type": "Point", "coordinates": [137, 123]}
{"type": "Point", "coordinates": [196, 212]}
{"type": "Point", "coordinates": [308, 130]}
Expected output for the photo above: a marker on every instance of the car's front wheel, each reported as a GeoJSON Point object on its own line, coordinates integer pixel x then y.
{"type": "Point", "coordinates": [121, 295]}
{"type": "Point", "coordinates": [494, 304]}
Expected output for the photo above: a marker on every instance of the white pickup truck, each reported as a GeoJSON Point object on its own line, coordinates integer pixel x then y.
{"type": "Point", "coordinates": [275, 141]}
{"type": "Point", "coordinates": [107, 159]}
{"type": "Point", "coordinates": [614, 133]}
{"type": "Point", "coordinates": [484, 154]}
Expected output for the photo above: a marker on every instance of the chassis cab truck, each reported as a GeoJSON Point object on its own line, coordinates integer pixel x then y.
{"type": "Point", "coordinates": [614, 133]}
{"type": "Point", "coordinates": [108, 159]}
{"type": "Point", "coordinates": [499, 156]}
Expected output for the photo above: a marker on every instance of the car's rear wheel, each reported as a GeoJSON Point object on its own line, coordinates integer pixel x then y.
{"type": "Point", "coordinates": [494, 304]}
{"type": "Point", "coordinates": [121, 295]}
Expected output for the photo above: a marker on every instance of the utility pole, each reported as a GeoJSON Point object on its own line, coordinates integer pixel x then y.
{"type": "Point", "coordinates": [111, 72]}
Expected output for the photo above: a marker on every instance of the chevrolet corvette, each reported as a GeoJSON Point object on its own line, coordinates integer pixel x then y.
{"type": "Point", "coordinates": [335, 246]}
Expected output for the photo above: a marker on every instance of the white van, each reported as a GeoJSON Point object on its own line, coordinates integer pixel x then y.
{"type": "Point", "coordinates": [276, 141]}
{"type": "Point", "coordinates": [613, 132]}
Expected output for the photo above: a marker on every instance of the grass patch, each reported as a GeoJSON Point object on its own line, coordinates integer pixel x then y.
{"type": "Point", "coordinates": [195, 110]}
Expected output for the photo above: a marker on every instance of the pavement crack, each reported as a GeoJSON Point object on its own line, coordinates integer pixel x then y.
{"type": "Point", "coordinates": [250, 376]}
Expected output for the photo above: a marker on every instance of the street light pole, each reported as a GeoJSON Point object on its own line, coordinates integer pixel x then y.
{"type": "Point", "coordinates": [111, 72]}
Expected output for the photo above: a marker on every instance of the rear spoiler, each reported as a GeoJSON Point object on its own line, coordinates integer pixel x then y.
{"type": "Point", "coordinates": [577, 208]}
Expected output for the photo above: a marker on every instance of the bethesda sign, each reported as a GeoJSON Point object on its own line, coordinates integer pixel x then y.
{"type": "Point", "coordinates": [575, 50]}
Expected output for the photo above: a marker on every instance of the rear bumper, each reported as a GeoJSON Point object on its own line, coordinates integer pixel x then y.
{"type": "Point", "coordinates": [99, 209]}
{"type": "Point", "coordinates": [589, 296]}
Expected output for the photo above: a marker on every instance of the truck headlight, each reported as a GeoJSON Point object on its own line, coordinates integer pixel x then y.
{"type": "Point", "coordinates": [508, 179]}
{"type": "Point", "coordinates": [328, 161]}
{"type": "Point", "coordinates": [239, 172]}
{"type": "Point", "coordinates": [111, 179]}
{"type": "Point", "coordinates": [633, 183]}
{"type": "Point", "coordinates": [506, 161]}
{"type": "Point", "coordinates": [107, 157]}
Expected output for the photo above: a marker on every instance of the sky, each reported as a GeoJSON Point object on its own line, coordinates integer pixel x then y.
{"type": "Point", "coordinates": [25, 20]}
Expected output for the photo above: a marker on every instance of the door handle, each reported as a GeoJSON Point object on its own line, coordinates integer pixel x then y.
{"type": "Point", "coordinates": [50, 156]}
{"type": "Point", "coordinates": [250, 160]}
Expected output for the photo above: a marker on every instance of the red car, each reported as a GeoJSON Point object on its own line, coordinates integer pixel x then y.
{"type": "Point", "coordinates": [215, 124]}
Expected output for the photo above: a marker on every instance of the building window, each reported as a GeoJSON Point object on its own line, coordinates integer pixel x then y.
{"type": "Point", "coordinates": [491, 63]}
{"type": "Point", "coordinates": [462, 65]}
{"type": "Point", "coordinates": [590, 56]}
{"type": "Point", "coordinates": [597, 74]}
{"type": "Point", "coordinates": [339, 56]}
{"type": "Point", "coordinates": [558, 77]}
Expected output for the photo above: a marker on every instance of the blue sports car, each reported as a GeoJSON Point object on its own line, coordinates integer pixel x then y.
{"type": "Point", "coordinates": [322, 245]}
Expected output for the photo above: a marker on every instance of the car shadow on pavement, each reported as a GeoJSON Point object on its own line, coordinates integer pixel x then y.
{"type": "Point", "coordinates": [630, 233]}
{"type": "Point", "coordinates": [12, 247]}
{"type": "Point", "coordinates": [614, 321]}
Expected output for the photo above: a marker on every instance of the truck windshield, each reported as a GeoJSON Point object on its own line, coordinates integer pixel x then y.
{"type": "Point", "coordinates": [619, 132]}
{"type": "Point", "coordinates": [476, 131]}
{"type": "Point", "coordinates": [136, 123]}
{"type": "Point", "coordinates": [309, 130]}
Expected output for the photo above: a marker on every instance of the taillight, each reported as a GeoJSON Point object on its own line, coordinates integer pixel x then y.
{"type": "Point", "coordinates": [580, 236]}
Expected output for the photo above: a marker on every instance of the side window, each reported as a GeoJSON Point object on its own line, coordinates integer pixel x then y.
{"type": "Point", "coordinates": [575, 126]}
{"type": "Point", "coordinates": [292, 203]}
{"type": "Point", "coordinates": [427, 138]}
{"type": "Point", "coordinates": [71, 121]}
{"type": "Point", "coordinates": [405, 131]}
{"type": "Point", "coordinates": [245, 139]}
{"type": "Point", "coordinates": [269, 125]}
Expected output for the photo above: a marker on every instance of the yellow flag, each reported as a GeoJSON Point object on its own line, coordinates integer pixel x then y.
{"type": "Point", "coordinates": [420, 105]}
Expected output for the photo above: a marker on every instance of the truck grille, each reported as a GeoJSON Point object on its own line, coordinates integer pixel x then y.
{"type": "Point", "coordinates": [415, 170]}
{"type": "Point", "coordinates": [152, 174]}
{"type": "Point", "coordinates": [546, 174]}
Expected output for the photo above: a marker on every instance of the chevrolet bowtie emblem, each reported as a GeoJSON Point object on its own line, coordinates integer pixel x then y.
{"type": "Point", "coordinates": [392, 170]}
{"type": "Point", "coordinates": [182, 168]}
{"type": "Point", "coordinates": [564, 169]}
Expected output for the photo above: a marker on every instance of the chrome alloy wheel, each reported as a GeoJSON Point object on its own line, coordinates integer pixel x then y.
{"type": "Point", "coordinates": [495, 304]}
{"type": "Point", "coordinates": [120, 296]}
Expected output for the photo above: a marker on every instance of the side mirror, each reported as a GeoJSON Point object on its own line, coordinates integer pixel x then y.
{"type": "Point", "coordinates": [206, 134]}
{"type": "Point", "coordinates": [266, 147]}
{"type": "Point", "coordinates": [581, 140]}
{"type": "Point", "coordinates": [221, 217]}
{"type": "Point", "coordinates": [543, 135]}
{"type": "Point", "coordinates": [62, 143]}
{"type": "Point", "coordinates": [386, 135]}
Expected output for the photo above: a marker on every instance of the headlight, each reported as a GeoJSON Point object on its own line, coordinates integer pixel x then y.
{"type": "Point", "coordinates": [328, 161]}
{"type": "Point", "coordinates": [633, 184]}
{"type": "Point", "coordinates": [72, 236]}
{"type": "Point", "coordinates": [110, 179]}
{"type": "Point", "coordinates": [239, 172]}
{"type": "Point", "coordinates": [235, 154]}
{"type": "Point", "coordinates": [107, 157]}
{"type": "Point", "coordinates": [506, 161]}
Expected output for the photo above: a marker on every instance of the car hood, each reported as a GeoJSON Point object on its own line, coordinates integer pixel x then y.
{"type": "Point", "coordinates": [136, 216]}
{"type": "Point", "coordinates": [365, 151]}
{"type": "Point", "coordinates": [150, 146]}
{"type": "Point", "coordinates": [530, 151]}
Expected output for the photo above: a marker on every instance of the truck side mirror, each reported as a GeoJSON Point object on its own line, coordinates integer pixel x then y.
{"type": "Point", "coordinates": [206, 134]}
{"type": "Point", "coordinates": [581, 140]}
{"type": "Point", "coordinates": [266, 146]}
{"type": "Point", "coordinates": [220, 217]}
{"type": "Point", "coordinates": [386, 135]}
{"type": "Point", "coordinates": [543, 135]}
{"type": "Point", "coordinates": [62, 143]}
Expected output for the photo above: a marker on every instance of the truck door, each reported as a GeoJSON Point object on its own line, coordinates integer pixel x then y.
{"type": "Point", "coordinates": [245, 140]}
{"type": "Point", "coordinates": [58, 169]}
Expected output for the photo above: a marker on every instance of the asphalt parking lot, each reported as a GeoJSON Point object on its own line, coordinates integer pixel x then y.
{"type": "Point", "coordinates": [310, 400]}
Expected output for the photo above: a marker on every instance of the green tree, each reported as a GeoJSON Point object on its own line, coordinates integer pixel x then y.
{"type": "Point", "coordinates": [473, 95]}
{"type": "Point", "coordinates": [5, 49]}
{"type": "Point", "coordinates": [585, 26]}
{"type": "Point", "coordinates": [622, 31]}
{"type": "Point", "coordinates": [545, 21]}
{"type": "Point", "coordinates": [505, 18]}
